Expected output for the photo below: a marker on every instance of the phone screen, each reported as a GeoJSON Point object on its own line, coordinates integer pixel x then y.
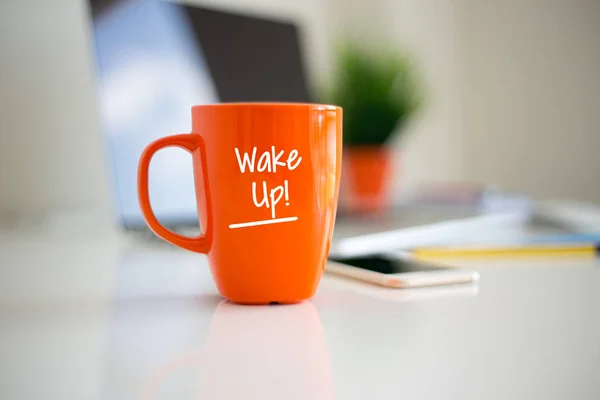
{"type": "Point", "coordinates": [386, 265]}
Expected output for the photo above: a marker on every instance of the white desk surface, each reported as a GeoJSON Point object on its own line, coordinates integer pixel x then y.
{"type": "Point", "coordinates": [88, 316]}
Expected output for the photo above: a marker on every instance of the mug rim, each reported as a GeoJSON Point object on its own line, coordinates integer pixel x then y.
{"type": "Point", "coordinates": [266, 104]}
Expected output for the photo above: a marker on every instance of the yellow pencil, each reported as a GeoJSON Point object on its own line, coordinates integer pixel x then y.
{"type": "Point", "coordinates": [588, 250]}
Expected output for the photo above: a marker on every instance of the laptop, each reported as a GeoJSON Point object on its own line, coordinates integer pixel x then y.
{"type": "Point", "coordinates": [154, 60]}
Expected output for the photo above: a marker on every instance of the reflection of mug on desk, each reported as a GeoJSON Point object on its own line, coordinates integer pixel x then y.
{"type": "Point", "coordinates": [264, 353]}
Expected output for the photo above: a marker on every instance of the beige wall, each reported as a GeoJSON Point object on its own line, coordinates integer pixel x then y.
{"type": "Point", "coordinates": [51, 154]}
{"type": "Point", "coordinates": [531, 89]}
{"type": "Point", "coordinates": [514, 92]}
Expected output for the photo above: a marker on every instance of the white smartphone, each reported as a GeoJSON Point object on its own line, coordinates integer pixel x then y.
{"type": "Point", "coordinates": [395, 270]}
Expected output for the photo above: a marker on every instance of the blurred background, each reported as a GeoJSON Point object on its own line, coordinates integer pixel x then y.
{"type": "Point", "coordinates": [445, 101]}
{"type": "Point", "coordinates": [503, 93]}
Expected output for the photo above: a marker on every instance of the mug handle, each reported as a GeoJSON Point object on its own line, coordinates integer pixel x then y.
{"type": "Point", "coordinates": [193, 143]}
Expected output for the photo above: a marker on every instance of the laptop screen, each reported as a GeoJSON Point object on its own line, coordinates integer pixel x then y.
{"type": "Point", "coordinates": [156, 59]}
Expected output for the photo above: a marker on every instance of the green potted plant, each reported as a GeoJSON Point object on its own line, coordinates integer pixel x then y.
{"type": "Point", "coordinates": [379, 92]}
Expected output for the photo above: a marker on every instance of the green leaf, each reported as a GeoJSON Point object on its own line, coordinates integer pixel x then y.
{"type": "Point", "coordinates": [379, 92]}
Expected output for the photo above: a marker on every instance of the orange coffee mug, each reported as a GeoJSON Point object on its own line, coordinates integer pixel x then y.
{"type": "Point", "coordinates": [267, 179]}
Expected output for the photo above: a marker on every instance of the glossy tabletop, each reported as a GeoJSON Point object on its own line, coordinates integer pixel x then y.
{"type": "Point", "coordinates": [101, 317]}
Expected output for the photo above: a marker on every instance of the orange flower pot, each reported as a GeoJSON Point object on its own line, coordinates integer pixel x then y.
{"type": "Point", "coordinates": [366, 178]}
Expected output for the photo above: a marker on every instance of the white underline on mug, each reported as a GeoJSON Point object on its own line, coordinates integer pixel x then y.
{"type": "Point", "coordinates": [263, 222]}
